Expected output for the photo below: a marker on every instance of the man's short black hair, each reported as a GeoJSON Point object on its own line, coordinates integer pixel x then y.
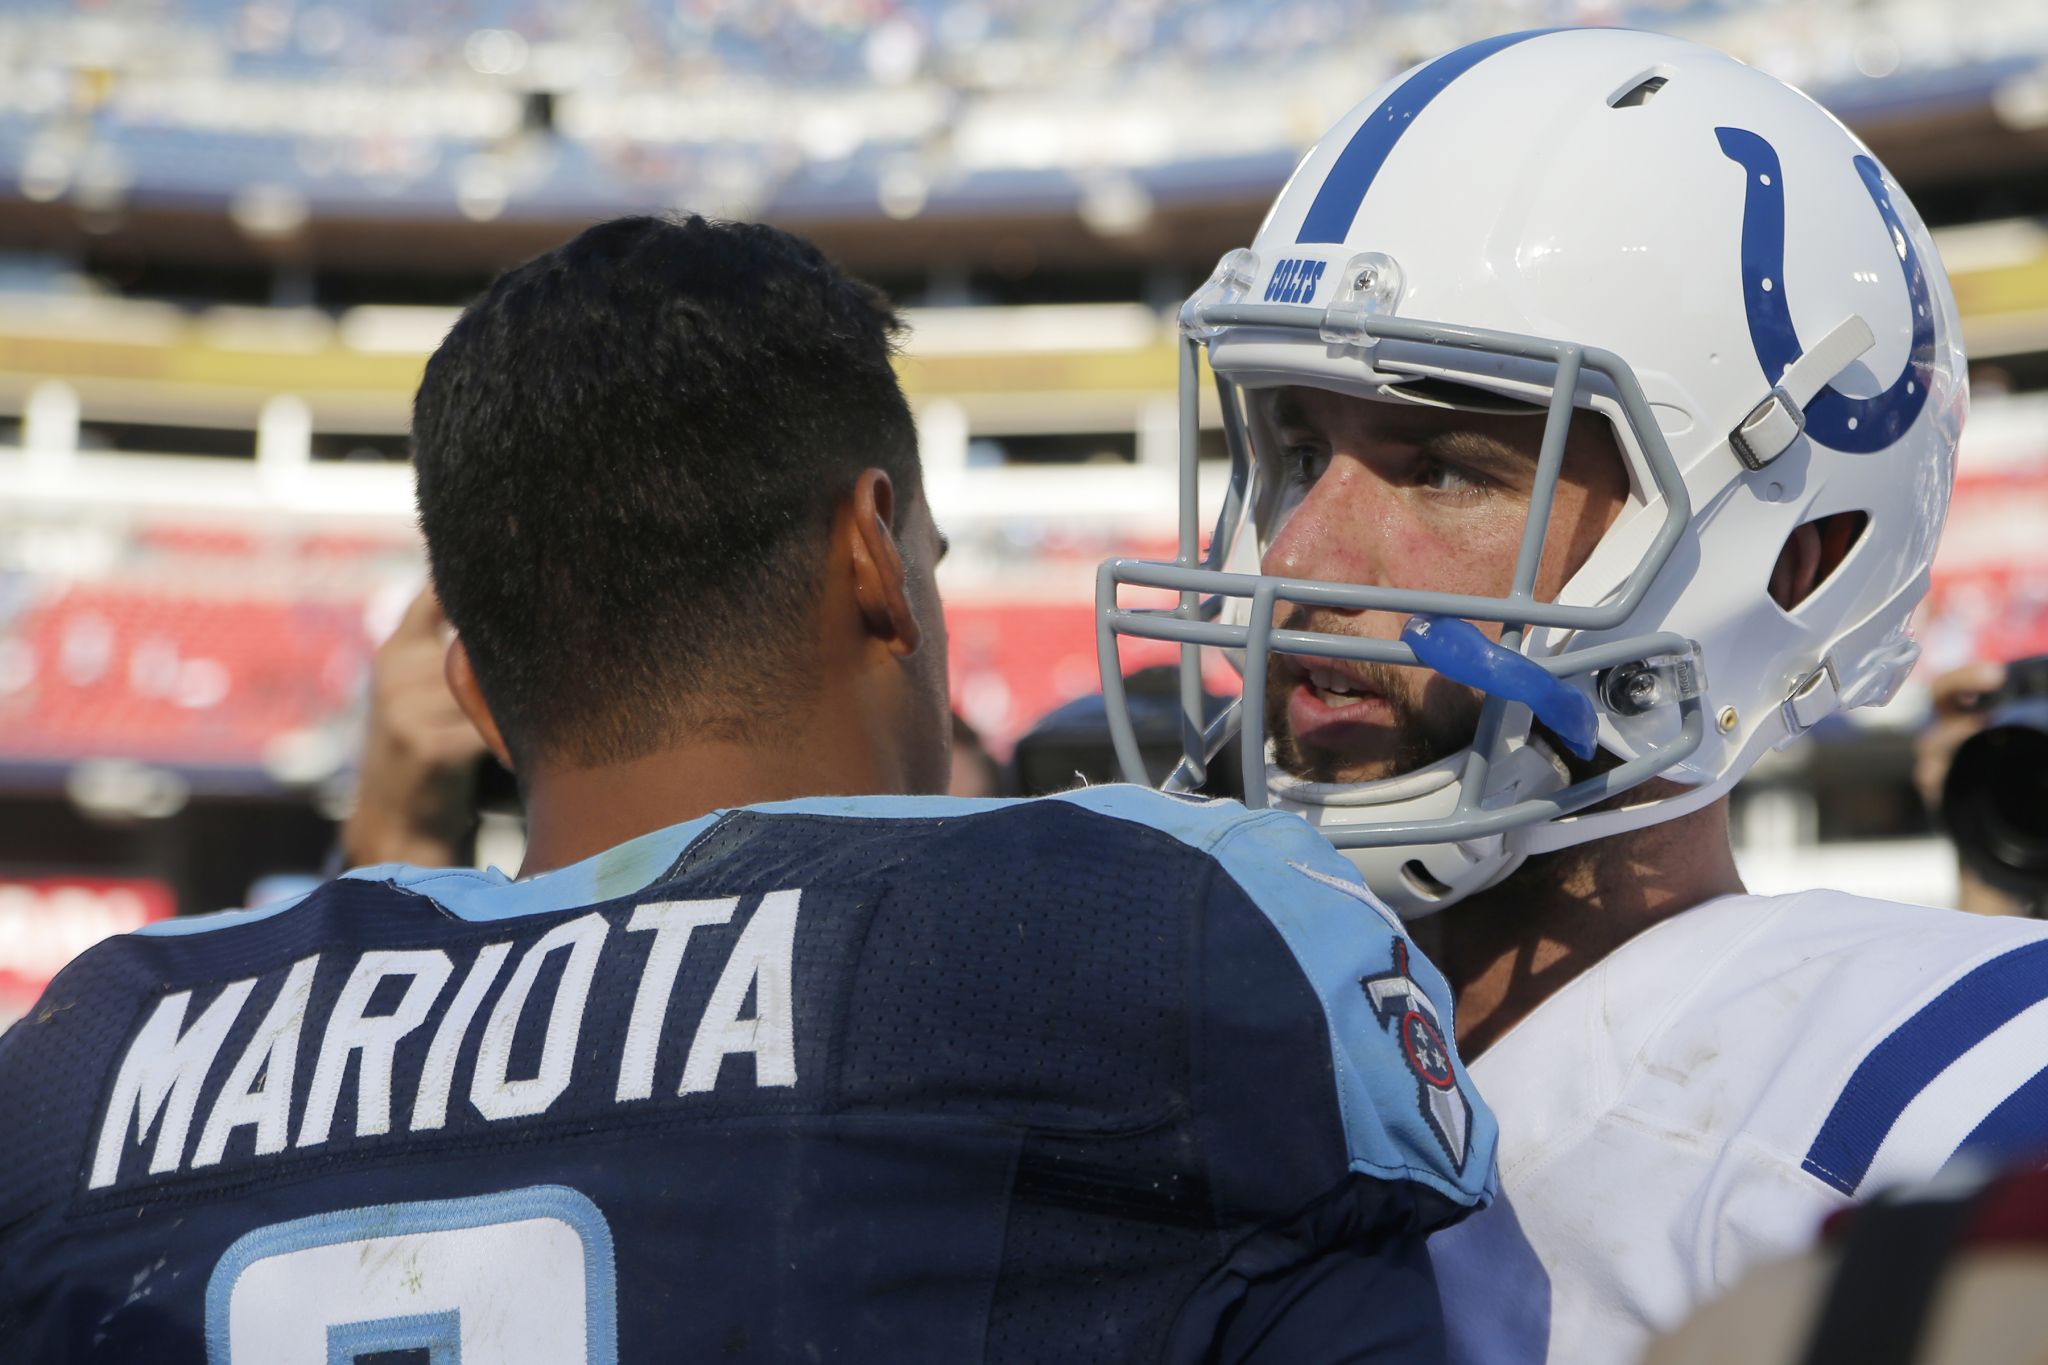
{"type": "Point", "coordinates": [628, 453]}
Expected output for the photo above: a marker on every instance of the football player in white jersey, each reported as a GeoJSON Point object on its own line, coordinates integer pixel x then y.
{"type": "Point", "coordinates": [1592, 401]}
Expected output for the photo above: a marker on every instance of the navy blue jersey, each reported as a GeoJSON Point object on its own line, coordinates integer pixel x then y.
{"type": "Point", "coordinates": [1111, 1076]}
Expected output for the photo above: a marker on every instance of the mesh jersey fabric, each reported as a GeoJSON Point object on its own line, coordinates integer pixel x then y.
{"type": "Point", "coordinates": [906, 1079]}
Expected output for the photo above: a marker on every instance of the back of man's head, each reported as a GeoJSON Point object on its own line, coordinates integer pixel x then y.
{"type": "Point", "coordinates": [628, 454]}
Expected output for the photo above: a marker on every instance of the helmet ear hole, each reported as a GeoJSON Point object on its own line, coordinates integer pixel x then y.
{"type": "Point", "coordinates": [1811, 554]}
{"type": "Point", "coordinates": [1421, 883]}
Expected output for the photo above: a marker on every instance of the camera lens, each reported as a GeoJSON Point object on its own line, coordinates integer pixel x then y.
{"type": "Point", "coordinates": [1995, 802]}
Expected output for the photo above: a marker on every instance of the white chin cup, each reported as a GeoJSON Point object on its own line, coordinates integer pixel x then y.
{"type": "Point", "coordinates": [1417, 880]}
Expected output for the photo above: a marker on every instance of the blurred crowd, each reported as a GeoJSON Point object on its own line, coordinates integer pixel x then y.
{"type": "Point", "coordinates": [490, 106]}
{"type": "Point", "coordinates": [968, 44]}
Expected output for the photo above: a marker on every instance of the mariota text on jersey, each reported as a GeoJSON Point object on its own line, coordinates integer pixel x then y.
{"type": "Point", "coordinates": [163, 1076]}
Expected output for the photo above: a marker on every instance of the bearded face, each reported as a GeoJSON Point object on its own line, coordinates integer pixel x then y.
{"type": "Point", "coordinates": [1399, 495]}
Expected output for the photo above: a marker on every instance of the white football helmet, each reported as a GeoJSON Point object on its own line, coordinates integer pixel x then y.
{"type": "Point", "coordinates": [1622, 223]}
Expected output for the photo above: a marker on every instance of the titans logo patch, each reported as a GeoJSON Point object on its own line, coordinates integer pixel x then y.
{"type": "Point", "coordinates": [1402, 1008]}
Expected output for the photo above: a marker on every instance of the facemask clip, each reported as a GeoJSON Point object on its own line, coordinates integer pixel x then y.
{"type": "Point", "coordinates": [1369, 286]}
{"type": "Point", "coordinates": [1229, 283]}
{"type": "Point", "coordinates": [1631, 690]}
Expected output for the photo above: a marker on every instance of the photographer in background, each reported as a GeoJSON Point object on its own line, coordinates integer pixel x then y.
{"type": "Point", "coordinates": [1977, 768]}
{"type": "Point", "coordinates": [416, 787]}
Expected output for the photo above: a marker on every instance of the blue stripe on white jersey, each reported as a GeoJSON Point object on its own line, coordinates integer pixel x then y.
{"type": "Point", "coordinates": [2017, 1127]}
{"type": "Point", "coordinates": [1980, 1039]}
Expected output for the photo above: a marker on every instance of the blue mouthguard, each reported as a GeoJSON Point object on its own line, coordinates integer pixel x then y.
{"type": "Point", "coordinates": [1456, 649]}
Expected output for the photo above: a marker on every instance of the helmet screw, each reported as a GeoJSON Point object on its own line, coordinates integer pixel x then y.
{"type": "Point", "coordinates": [1631, 689]}
{"type": "Point", "coordinates": [1727, 719]}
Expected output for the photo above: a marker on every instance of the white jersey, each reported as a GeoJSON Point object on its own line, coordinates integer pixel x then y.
{"type": "Point", "coordinates": [1709, 1092]}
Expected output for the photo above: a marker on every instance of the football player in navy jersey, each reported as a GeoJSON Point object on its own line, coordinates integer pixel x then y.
{"type": "Point", "coordinates": [764, 1056]}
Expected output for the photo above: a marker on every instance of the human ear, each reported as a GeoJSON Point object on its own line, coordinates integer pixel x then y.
{"type": "Point", "coordinates": [872, 512]}
{"type": "Point", "coordinates": [1812, 554]}
{"type": "Point", "coordinates": [1792, 575]}
{"type": "Point", "coordinates": [469, 695]}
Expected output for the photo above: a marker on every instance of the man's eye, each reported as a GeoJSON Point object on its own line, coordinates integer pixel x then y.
{"type": "Point", "coordinates": [1303, 462]}
{"type": "Point", "coordinates": [1447, 478]}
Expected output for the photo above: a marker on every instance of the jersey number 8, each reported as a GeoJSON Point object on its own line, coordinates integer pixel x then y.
{"type": "Point", "coordinates": [525, 1277]}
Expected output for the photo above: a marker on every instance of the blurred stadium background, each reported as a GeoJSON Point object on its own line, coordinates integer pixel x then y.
{"type": "Point", "coordinates": [230, 233]}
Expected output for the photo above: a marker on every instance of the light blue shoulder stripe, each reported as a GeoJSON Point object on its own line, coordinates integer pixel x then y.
{"type": "Point", "coordinates": [1196, 822]}
{"type": "Point", "coordinates": [182, 925]}
{"type": "Point", "coordinates": [1199, 823]}
{"type": "Point", "coordinates": [481, 896]}
{"type": "Point", "coordinates": [490, 895]}
{"type": "Point", "coordinates": [631, 866]}
{"type": "Point", "coordinates": [1385, 1043]}
{"type": "Point", "coordinates": [487, 895]}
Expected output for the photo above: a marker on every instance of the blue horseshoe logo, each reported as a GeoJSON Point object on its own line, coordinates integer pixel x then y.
{"type": "Point", "coordinates": [1856, 425]}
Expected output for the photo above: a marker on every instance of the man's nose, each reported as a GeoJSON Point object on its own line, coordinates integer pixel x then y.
{"type": "Point", "coordinates": [1335, 532]}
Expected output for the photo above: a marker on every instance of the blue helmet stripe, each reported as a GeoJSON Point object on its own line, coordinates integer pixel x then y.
{"type": "Point", "coordinates": [1900, 1067]}
{"type": "Point", "coordinates": [1336, 204]}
